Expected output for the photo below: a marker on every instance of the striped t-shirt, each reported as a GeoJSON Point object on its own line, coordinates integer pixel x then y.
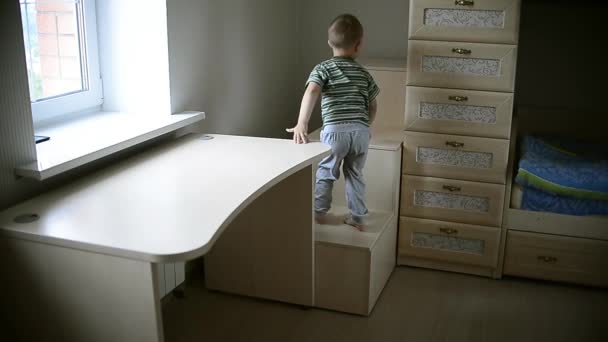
{"type": "Point", "coordinates": [348, 89]}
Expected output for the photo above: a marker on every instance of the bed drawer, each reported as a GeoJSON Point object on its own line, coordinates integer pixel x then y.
{"type": "Point", "coordinates": [452, 200]}
{"type": "Point", "coordinates": [557, 258]}
{"type": "Point", "coordinates": [461, 65]}
{"type": "Point", "coordinates": [453, 156]}
{"type": "Point", "coordinates": [464, 112]}
{"type": "Point", "coordinates": [446, 241]}
{"type": "Point", "coordinates": [484, 21]}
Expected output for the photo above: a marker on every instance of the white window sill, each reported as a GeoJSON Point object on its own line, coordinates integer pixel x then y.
{"type": "Point", "coordinates": [81, 141]}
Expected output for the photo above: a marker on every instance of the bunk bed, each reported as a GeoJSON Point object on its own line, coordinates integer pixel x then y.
{"type": "Point", "coordinates": [550, 232]}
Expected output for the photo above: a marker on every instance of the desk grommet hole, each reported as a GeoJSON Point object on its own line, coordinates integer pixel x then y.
{"type": "Point", "coordinates": [206, 137]}
{"type": "Point", "coordinates": [26, 218]}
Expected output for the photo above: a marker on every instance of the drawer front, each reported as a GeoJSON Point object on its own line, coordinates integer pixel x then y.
{"type": "Point", "coordinates": [452, 200]}
{"type": "Point", "coordinates": [453, 156]}
{"type": "Point", "coordinates": [464, 112]}
{"type": "Point", "coordinates": [483, 21]}
{"type": "Point", "coordinates": [461, 65]}
{"type": "Point", "coordinates": [558, 258]}
{"type": "Point", "coordinates": [451, 242]}
{"type": "Point", "coordinates": [391, 100]}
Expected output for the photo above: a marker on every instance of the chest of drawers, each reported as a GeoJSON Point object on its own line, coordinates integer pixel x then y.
{"type": "Point", "coordinates": [462, 56]}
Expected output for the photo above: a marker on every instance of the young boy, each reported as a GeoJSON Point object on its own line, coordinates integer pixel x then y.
{"type": "Point", "coordinates": [348, 109]}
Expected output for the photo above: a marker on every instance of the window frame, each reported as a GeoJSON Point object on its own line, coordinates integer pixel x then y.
{"type": "Point", "coordinates": [85, 100]}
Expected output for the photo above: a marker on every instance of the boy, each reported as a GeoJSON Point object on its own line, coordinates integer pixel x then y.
{"type": "Point", "coordinates": [348, 109]}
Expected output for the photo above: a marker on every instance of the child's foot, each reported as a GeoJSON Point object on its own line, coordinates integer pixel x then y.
{"type": "Point", "coordinates": [321, 218]}
{"type": "Point", "coordinates": [349, 220]}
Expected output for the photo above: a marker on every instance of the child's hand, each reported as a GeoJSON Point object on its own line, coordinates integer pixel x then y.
{"type": "Point", "coordinates": [300, 134]}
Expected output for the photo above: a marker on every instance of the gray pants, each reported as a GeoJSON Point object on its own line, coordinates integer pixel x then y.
{"type": "Point", "coordinates": [349, 143]}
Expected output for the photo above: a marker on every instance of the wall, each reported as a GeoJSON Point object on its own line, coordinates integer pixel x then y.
{"type": "Point", "coordinates": [235, 60]}
{"type": "Point", "coordinates": [16, 127]}
{"type": "Point", "coordinates": [560, 62]}
{"type": "Point", "coordinates": [561, 74]}
{"type": "Point", "coordinates": [133, 56]}
{"type": "Point", "coordinates": [385, 23]}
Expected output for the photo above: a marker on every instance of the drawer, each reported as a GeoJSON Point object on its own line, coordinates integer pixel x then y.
{"type": "Point", "coordinates": [557, 258]}
{"type": "Point", "coordinates": [391, 100]}
{"type": "Point", "coordinates": [452, 200]}
{"type": "Point", "coordinates": [451, 242]}
{"type": "Point", "coordinates": [484, 21]}
{"type": "Point", "coordinates": [461, 65]}
{"type": "Point", "coordinates": [464, 112]}
{"type": "Point", "coordinates": [454, 156]}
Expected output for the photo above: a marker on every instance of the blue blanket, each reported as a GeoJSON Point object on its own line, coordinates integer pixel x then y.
{"type": "Point", "coordinates": [564, 168]}
{"type": "Point", "coordinates": [537, 200]}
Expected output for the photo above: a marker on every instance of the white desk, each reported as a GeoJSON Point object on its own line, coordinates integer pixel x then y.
{"type": "Point", "coordinates": [84, 269]}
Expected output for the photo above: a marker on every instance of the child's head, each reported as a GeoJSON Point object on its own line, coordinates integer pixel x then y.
{"type": "Point", "coordinates": [345, 35]}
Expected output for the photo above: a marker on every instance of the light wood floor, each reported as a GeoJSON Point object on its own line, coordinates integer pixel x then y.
{"type": "Point", "coordinates": [417, 305]}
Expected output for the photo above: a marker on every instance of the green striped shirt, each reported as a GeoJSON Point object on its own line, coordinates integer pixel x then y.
{"type": "Point", "coordinates": [348, 89]}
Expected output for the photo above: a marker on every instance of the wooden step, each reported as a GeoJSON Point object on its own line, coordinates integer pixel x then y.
{"type": "Point", "coordinates": [352, 267]}
{"type": "Point", "coordinates": [338, 233]}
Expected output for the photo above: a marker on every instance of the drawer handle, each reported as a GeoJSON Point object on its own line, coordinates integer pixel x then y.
{"type": "Point", "coordinates": [461, 51]}
{"type": "Point", "coordinates": [464, 3]}
{"type": "Point", "coordinates": [452, 188]}
{"type": "Point", "coordinates": [547, 259]}
{"type": "Point", "coordinates": [458, 98]}
{"type": "Point", "coordinates": [449, 231]}
{"type": "Point", "coordinates": [454, 144]}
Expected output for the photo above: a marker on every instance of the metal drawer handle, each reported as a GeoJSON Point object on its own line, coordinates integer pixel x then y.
{"type": "Point", "coordinates": [454, 144]}
{"type": "Point", "coordinates": [547, 259]}
{"type": "Point", "coordinates": [458, 98]}
{"type": "Point", "coordinates": [461, 51]}
{"type": "Point", "coordinates": [464, 2]}
{"type": "Point", "coordinates": [449, 231]}
{"type": "Point", "coordinates": [452, 188]}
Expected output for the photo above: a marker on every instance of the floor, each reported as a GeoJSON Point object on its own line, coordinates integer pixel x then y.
{"type": "Point", "coordinates": [416, 305]}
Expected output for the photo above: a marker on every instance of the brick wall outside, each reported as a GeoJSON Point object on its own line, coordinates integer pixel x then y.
{"type": "Point", "coordinates": [59, 48]}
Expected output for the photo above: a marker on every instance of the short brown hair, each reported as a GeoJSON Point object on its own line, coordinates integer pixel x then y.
{"type": "Point", "coordinates": [345, 31]}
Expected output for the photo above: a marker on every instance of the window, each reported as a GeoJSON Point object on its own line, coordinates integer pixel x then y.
{"type": "Point", "coordinates": [62, 60]}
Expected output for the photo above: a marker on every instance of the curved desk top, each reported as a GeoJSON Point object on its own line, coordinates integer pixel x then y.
{"type": "Point", "coordinates": [167, 204]}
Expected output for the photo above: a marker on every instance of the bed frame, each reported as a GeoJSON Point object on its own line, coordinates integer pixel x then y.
{"type": "Point", "coordinates": [592, 229]}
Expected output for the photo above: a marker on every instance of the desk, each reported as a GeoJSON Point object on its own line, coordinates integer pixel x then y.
{"type": "Point", "coordinates": [84, 271]}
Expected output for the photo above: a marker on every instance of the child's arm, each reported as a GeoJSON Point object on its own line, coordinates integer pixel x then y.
{"type": "Point", "coordinates": [300, 132]}
{"type": "Point", "coordinates": [373, 109]}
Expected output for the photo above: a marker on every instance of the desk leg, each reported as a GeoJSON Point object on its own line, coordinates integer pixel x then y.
{"type": "Point", "coordinates": [268, 250]}
{"type": "Point", "coordinates": [60, 294]}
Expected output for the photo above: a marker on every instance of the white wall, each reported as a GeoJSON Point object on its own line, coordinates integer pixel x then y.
{"type": "Point", "coordinates": [16, 126]}
{"type": "Point", "coordinates": [385, 23]}
{"type": "Point", "coordinates": [235, 60]}
{"type": "Point", "coordinates": [134, 64]}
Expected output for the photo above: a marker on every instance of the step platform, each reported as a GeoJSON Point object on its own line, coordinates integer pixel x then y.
{"type": "Point", "coordinates": [352, 267]}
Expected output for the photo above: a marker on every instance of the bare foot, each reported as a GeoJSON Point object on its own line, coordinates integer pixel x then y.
{"type": "Point", "coordinates": [351, 222]}
{"type": "Point", "coordinates": [322, 219]}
